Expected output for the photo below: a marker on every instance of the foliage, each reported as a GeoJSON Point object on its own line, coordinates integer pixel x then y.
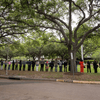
{"type": "Point", "coordinates": [11, 50]}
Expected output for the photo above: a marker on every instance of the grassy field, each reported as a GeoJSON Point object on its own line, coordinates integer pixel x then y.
{"type": "Point", "coordinates": [78, 68]}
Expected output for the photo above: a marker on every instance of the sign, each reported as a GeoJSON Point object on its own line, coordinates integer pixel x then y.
{"type": "Point", "coordinates": [71, 55]}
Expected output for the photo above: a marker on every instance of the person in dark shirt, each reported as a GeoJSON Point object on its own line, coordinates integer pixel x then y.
{"type": "Point", "coordinates": [42, 64]}
{"type": "Point", "coordinates": [29, 65]}
{"type": "Point", "coordinates": [20, 63]}
{"type": "Point", "coordinates": [99, 64]}
{"type": "Point", "coordinates": [69, 65]}
{"type": "Point", "coordinates": [51, 65]}
{"type": "Point", "coordinates": [95, 66]}
{"type": "Point", "coordinates": [24, 64]}
{"type": "Point", "coordinates": [5, 64]}
{"type": "Point", "coordinates": [13, 64]}
{"type": "Point", "coordinates": [16, 63]}
{"type": "Point", "coordinates": [33, 65]}
{"type": "Point", "coordinates": [88, 67]}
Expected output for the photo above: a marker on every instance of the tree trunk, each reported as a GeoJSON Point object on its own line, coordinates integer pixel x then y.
{"type": "Point", "coordinates": [10, 58]}
{"type": "Point", "coordinates": [33, 58]}
{"type": "Point", "coordinates": [6, 56]}
{"type": "Point", "coordinates": [39, 58]}
{"type": "Point", "coordinates": [62, 58]}
{"type": "Point", "coordinates": [72, 54]}
{"type": "Point", "coordinates": [74, 61]}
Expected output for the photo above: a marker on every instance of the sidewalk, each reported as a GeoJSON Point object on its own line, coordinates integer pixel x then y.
{"type": "Point", "coordinates": [56, 80]}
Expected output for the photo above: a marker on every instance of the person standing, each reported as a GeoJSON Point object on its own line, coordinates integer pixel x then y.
{"type": "Point", "coordinates": [13, 64]}
{"type": "Point", "coordinates": [88, 66]}
{"type": "Point", "coordinates": [42, 65]}
{"type": "Point", "coordinates": [5, 64]}
{"type": "Point", "coordinates": [33, 65]}
{"type": "Point", "coordinates": [95, 66]}
{"type": "Point", "coordinates": [20, 65]}
{"type": "Point", "coordinates": [9, 65]}
{"type": "Point", "coordinates": [47, 66]}
{"type": "Point", "coordinates": [99, 64]}
{"type": "Point", "coordinates": [60, 65]}
{"type": "Point", "coordinates": [81, 66]}
{"type": "Point", "coordinates": [24, 64]}
{"type": "Point", "coordinates": [51, 65]}
{"type": "Point", "coordinates": [65, 66]}
{"type": "Point", "coordinates": [37, 65]}
{"type": "Point", "coordinates": [29, 65]}
{"type": "Point", "coordinates": [69, 66]}
{"type": "Point", "coordinates": [56, 64]}
{"type": "Point", "coordinates": [16, 63]}
{"type": "Point", "coordinates": [1, 64]}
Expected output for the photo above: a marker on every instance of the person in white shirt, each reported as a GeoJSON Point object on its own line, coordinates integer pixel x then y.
{"type": "Point", "coordinates": [60, 65]}
{"type": "Point", "coordinates": [37, 65]}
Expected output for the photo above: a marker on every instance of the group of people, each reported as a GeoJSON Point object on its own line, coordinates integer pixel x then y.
{"type": "Point", "coordinates": [82, 66]}
{"type": "Point", "coordinates": [32, 64]}
{"type": "Point", "coordinates": [47, 64]}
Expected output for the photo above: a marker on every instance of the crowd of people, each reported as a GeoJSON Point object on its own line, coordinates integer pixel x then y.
{"type": "Point", "coordinates": [42, 63]}
{"type": "Point", "coordinates": [82, 66]}
{"type": "Point", "coordinates": [46, 64]}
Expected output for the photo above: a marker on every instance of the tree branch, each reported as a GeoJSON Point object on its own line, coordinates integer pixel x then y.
{"type": "Point", "coordinates": [54, 21]}
{"type": "Point", "coordinates": [79, 24]}
{"type": "Point", "coordinates": [10, 34]}
{"type": "Point", "coordinates": [70, 21]}
{"type": "Point", "coordinates": [85, 35]}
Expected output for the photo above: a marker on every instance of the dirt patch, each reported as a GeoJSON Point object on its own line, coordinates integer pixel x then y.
{"type": "Point", "coordinates": [78, 73]}
{"type": "Point", "coordinates": [54, 75]}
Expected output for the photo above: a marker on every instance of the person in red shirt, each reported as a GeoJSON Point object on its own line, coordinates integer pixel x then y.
{"type": "Point", "coordinates": [81, 66]}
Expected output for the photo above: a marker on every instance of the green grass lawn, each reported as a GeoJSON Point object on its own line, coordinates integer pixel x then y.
{"type": "Point", "coordinates": [78, 68]}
